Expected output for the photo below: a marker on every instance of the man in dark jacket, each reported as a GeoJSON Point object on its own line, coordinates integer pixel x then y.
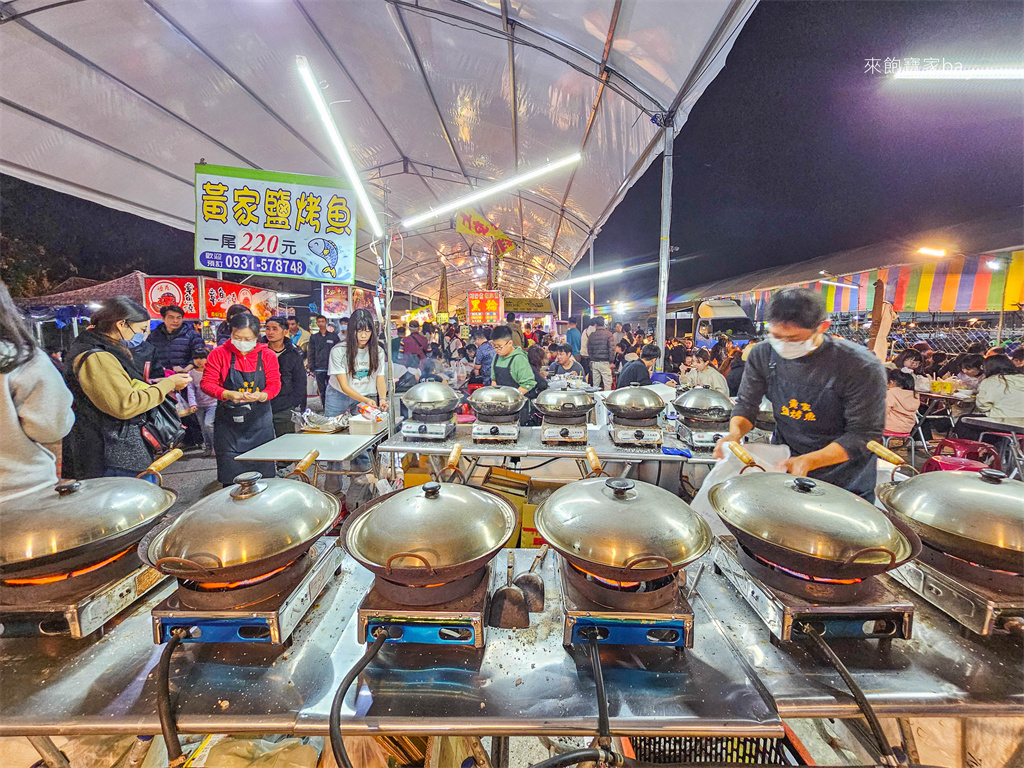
{"type": "Point", "coordinates": [320, 345]}
{"type": "Point", "coordinates": [639, 371]}
{"type": "Point", "coordinates": [600, 352]}
{"type": "Point", "coordinates": [175, 342]}
{"type": "Point", "coordinates": [293, 376]}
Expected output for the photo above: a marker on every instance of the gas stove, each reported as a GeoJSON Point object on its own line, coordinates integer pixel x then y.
{"type": "Point", "coordinates": [270, 620]}
{"type": "Point", "coordinates": [981, 599]}
{"type": "Point", "coordinates": [425, 428]}
{"type": "Point", "coordinates": [636, 432]}
{"type": "Point", "coordinates": [701, 436]}
{"type": "Point", "coordinates": [556, 430]}
{"type": "Point", "coordinates": [870, 610]}
{"type": "Point", "coordinates": [455, 621]}
{"type": "Point", "coordinates": [639, 613]}
{"type": "Point", "coordinates": [78, 612]}
{"type": "Point", "coordinates": [496, 429]}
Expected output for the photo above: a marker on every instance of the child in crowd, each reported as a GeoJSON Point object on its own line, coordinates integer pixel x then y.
{"type": "Point", "coordinates": [205, 406]}
{"type": "Point", "coordinates": [970, 371]}
{"type": "Point", "coordinates": [901, 403]}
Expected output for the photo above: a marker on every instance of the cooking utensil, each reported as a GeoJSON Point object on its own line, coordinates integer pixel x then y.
{"type": "Point", "coordinates": [244, 530]}
{"type": "Point", "coordinates": [703, 403]}
{"type": "Point", "coordinates": [430, 534]}
{"type": "Point", "coordinates": [508, 603]}
{"type": "Point", "coordinates": [80, 522]}
{"type": "Point", "coordinates": [595, 464]}
{"type": "Point", "coordinates": [531, 583]}
{"type": "Point", "coordinates": [975, 516]}
{"type": "Point", "coordinates": [741, 454]}
{"type": "Point", "coordinates": [307, 461]}
{"type": "Point", "coordinates": [564, 402]}
{"type": "Point", "coordinates": [496, 401]}
{"type": "Point", "coordinates": [622, 530]}
{"type": "Point", "coordinates": [634, 402]}
{"type": "Point", "coordinates": [430, 398]}
{"type": "Point", "coordinates": [453, 465]}
{"type": "Point", "coordinates": [812, 527]}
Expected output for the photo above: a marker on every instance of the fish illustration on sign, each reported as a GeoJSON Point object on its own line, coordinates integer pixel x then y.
{"type": "Point", "coordinates": [327, 251]}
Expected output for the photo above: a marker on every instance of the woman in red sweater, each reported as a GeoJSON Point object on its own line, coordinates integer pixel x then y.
{"type": "Point", "coordinates": [243, 376]}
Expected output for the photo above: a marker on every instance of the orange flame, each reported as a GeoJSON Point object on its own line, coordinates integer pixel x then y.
{"type": "Point", "coordinates": [72, 574]}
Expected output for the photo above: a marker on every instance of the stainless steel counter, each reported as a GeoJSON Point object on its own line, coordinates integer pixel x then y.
{"type": "Point", "coordinates": [524, 682]}
{"type": "Point", "coordinates": [529, 444]}
{"type": "Point", "coordinates": [936, 673]}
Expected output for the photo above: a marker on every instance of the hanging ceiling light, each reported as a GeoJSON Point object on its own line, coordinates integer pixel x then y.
{"type": "Point", "coordinates": [480, 194]}
{"type": "Point", "coordinates": [339, 146]}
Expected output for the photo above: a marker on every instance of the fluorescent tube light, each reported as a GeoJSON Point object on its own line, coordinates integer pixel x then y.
{"type": "Point", "coordinates": [339, 145]}
{"type": "Point", "coordinates": [1008, 73]}
{"type": "Point", "coordinates": [586, 278]}
{"type": "Point", "coordinates": [480, 194]}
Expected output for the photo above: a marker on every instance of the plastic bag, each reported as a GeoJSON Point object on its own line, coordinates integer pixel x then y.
{"type": "Point", "coordinates": [771, 457]}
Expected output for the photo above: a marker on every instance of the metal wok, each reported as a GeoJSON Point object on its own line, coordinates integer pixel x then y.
{"type": "Point", "coordinates": [704, 404]}
{"type": "Point", "coordinates": [564, 402]}
{"type": "Point", "coordinates": [496, 401]}
{"type": "Point", "coordinates": [430, 534]}
{"type": "Point", "coordinates": [811, 527]}
{"type": "Point", "coordinates": [430, 398]}
{"type": "Point", "coordinates": [634, 402]}
{"type": "Point", "coordinates": [80, 523]}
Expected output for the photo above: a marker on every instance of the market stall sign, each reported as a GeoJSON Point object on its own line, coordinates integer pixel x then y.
{"type": "Point", "coordinates": [218, 295]}
{"type": "Point", "coordinates": [460, 314]}
{"type": "Point", "coordinates": [529, 306]}
{"type": "Point", "coordinates": [335, 300]}
{"type": "Point", "coordinates": [268, 223]}
{"type": "Point", "coordinates": [363, 298]}
{"type": "Point", "coordinates": [484, 308]}
{"type": "Point", "coordinates": [163, 291]}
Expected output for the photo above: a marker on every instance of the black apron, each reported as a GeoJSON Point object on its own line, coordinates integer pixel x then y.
{"type": "Point", "coordinates": [240, 427]}
{"type": "Point", "coordinates": [807, 418]}
{"type": "Point", "coordinates": [503, 378]}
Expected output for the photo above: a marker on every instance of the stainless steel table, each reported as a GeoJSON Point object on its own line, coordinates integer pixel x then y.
{"type": "Point", "coordinates": [530, 445]}
{"type": "Point", "coordinates": [524, 682]}
{"type": "Point", "coordinates": [938, 672]}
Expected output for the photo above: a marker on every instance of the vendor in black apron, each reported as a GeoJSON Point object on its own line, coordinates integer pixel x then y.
{"type": "Point", "coordinates": [828, 395]}
{"type": "Point", "coordinates": [511, 368]}
{"type": "Point", "coordinates": [243, 376]}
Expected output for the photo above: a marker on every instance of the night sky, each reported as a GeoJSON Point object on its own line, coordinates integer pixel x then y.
{"type": "Point", "coordinates": [793, 151]}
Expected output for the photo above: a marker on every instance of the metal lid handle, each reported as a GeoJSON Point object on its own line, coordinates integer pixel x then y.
{"type": "Point", "coordinates": [857, 555]}
{"type": "Point", "coordinates": [636, 559]}
{"type": "Point", "coordinates": [421, 558]}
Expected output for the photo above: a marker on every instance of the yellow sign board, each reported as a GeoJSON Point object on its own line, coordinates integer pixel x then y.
{"type": "Point", "coordinates": [529, 306]}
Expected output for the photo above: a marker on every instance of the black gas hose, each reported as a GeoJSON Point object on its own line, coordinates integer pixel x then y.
{"type": "Point", "coordinates": [164, 708]}
{"type": "Point", "coordinates": [337, 743]}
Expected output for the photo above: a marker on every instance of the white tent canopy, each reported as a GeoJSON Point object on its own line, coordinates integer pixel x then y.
{"type": "Point", "coordinates": [115, 101]}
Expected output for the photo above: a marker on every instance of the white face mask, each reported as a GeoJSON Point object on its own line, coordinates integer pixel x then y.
{"type": "Point", "coordinates": [791, 350]}
{"type": "Point", "coordinates": [245, 347]}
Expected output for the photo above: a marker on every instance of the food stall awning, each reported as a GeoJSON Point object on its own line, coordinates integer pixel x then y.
{"type": "Point", "coordinates": [115, 101]}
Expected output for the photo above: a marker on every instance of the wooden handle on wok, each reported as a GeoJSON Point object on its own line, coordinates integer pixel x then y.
{"type": "Point", "coordinates": [163, 462]}
{"type": "Point", "coordinates": [592, 460]}
{"type": "Point", "coordinates": [884, 453]}
{"type": "Point", "coordinates": [742, 454]}
{"type": "Point", "coordinates": [307, 461]}
{"type": "Point", "coordinates": [454, 456]}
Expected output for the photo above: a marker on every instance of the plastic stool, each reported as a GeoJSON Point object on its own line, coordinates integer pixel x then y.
{"type": "Point", "coordinates": [969, 449]}
{"type": "Point", "coordinates": [906, 437]}
{"type": "Point", "coordinates": [952, 464]}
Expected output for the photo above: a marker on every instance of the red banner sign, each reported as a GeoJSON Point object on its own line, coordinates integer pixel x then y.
{"type": "Point", "coordinates": [218, 295]}
{"type": "Point", "coordinates": [484, 308]}
{"type": "Point", "coordinates": [164, 291]}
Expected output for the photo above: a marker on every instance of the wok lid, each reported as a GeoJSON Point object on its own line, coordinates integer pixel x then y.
{"type": "Point", "coordinates": [431, 397]}
{"type": "Point", "coordinates": [77, 514]}
{"type": "Point", "coordinates": [809, 517]}
{"type": "Point", "coordinates": [615, 522]}
{"type": "Point", "coordinates": [635, 401]}
{"type": "Point", "coordinates": [253, 520]}
{"type": "Point", "coordinates": [497, 401]}
{"type": "Point", "coordinates": [980, 506]}
{"type": "Point", "coordinates": [567, 402]}
{"type": "Point", "coordinates": [442, 525]}
{"type": "Point", "coordinates": [703, 402]}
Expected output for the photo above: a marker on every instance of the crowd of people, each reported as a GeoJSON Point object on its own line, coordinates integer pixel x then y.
{"type": "Point", "coordinates": [123, 392]}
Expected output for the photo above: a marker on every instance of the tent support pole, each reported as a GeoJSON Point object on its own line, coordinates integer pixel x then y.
{"type": "Point", "coordinates": [666, 225]}
{"type": "Point", "coordinates": [593, 236]}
